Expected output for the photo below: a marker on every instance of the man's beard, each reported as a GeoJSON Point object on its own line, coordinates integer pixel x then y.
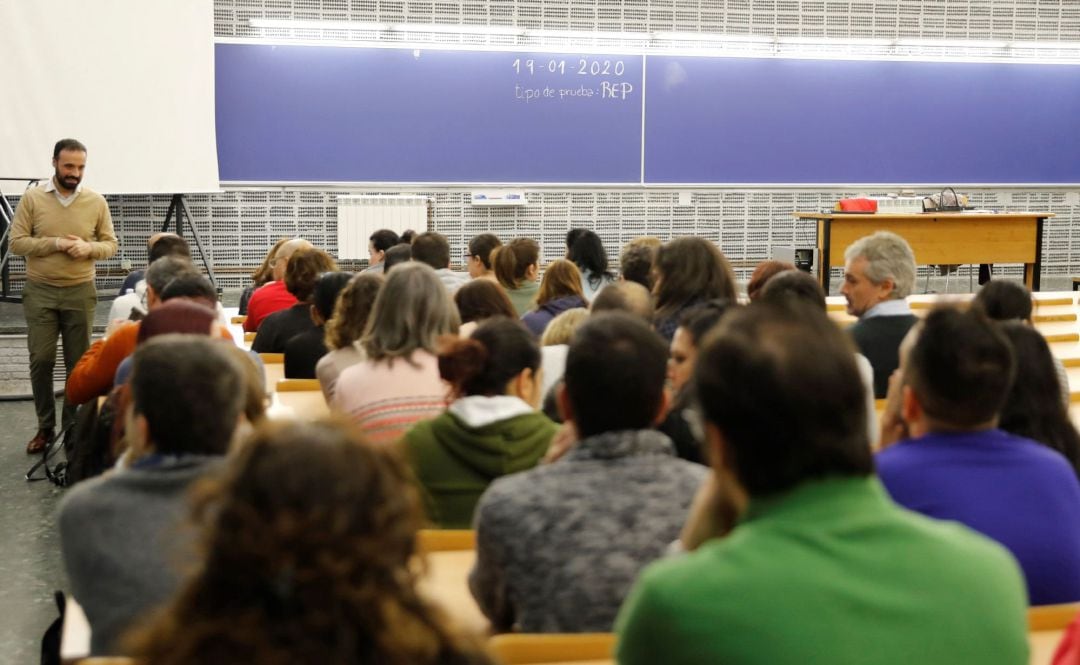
{"type": "Point", "coordinates": [68, 182]}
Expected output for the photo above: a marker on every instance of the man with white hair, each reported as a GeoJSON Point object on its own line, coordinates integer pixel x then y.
{"type": "Point", "coordinates": [879, 273]}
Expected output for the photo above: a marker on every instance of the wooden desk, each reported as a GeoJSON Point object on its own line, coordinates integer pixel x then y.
{"type": "Point", "coordinates": [272, 373]}
{"type": "Point", "coordinates": [939, 238]}
{"type": "Point", "coordinates": [447, 583]}
{"type": "Point", "coordinates": [1043, 643]}
{"type": "Point", "coordinates": [298, 405]}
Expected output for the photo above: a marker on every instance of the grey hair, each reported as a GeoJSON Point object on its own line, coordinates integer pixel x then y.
{"type": "Point", "coordinates": [888, 257]}
{"type": "Point", "coordinates": [164, 270]}
{"type": "Point", "coordinates": [412, 311]}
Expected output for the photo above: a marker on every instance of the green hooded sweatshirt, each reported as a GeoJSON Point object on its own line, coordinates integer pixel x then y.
{"type": "Point", "coordinates": [454, 461]}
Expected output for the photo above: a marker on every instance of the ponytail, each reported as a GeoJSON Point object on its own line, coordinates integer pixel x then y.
{"type": "Point", "coordinates": [511, 262]}
{"type": "Point", "coordinates": [460, 361]}
{"type": "Point", "coordinates": [499, 349]}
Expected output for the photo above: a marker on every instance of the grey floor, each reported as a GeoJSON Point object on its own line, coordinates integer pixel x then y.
{"type": "Point", "coordinates": [30, 566]}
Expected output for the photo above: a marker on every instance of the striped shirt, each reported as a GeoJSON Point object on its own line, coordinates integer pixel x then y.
{"type": "Point", "coordinates": [385, 398]}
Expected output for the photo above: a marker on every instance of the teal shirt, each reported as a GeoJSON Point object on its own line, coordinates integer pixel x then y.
{"type": "Point", "coordinates": [831, 573]}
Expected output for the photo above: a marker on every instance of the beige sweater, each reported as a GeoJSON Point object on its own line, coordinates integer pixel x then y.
{"type": "Point", "coordinates": [41, 219]}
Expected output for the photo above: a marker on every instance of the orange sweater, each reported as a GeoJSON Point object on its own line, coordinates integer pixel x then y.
{"type": "Point", "coordinates": [93, 374]}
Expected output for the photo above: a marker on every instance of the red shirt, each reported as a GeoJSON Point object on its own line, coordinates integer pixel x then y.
{"type": "Point", "coordinates": [267, 299]}
{"type": "Point", "coordinates": [1068, 652]}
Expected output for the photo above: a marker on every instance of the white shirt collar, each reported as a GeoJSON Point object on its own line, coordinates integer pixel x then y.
{"type": "Point", "coordinates": [50, 186]}
{"type": "Point", "coordinates": [899, 307]}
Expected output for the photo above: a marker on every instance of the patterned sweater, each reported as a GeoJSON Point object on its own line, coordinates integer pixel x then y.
{"type": "Point", "coordinates": [387, 397]}
{"type": "Point", "coordinates": [559, 546]}
{"type": "Point", "coordinates": [127, 543]}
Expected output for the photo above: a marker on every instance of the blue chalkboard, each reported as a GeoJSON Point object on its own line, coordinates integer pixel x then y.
{"type": "Point", "coordinates": [339, 114]}
{"type": "Point", "coordinates": [728, 120]}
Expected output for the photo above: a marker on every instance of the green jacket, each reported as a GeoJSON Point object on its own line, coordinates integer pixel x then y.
{"type": "Point", "coordinates": [832, 572]}
{"type": "Point", "coordinates": [455, 462]}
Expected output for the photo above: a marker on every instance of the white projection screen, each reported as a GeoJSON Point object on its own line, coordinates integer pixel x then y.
{"type": "Point", "coordinates": [131, 79]}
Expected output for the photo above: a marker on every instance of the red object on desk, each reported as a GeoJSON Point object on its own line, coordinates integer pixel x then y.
{"type": "Point", "coordinates": [856, 205]}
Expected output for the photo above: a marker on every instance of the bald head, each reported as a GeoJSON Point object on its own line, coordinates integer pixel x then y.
{"type": "Point", "coordinates": [625, 297]}
{"type": "Point", "coordinates": [281, 259]}
{"type": "Point", "coordinates": [158, 236]}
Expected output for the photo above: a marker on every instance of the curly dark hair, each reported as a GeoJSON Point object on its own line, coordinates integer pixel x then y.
{"type": "Point", "coordinates": [303, 270]}
{"type": "Point", "coordinates": [352, 309]}
{"type": "Point", "coordinates": [310, 539]}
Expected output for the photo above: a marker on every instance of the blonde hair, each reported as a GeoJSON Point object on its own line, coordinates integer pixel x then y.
{"type": "Point", "coordinates": [651, 242]}
{"type": "Point", "coordinates": [263, 274]}
{"type": "Point", "coordinates": [563, 326]}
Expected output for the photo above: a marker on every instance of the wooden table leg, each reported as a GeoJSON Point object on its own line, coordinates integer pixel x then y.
{"type": "Point", "coordinates": [824, 243]}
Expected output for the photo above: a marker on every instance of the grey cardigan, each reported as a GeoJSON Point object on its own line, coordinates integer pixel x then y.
{"type": "Point", "coordinates": [126, 543]}
{"type": "Point", "coordinates": [559, 546]}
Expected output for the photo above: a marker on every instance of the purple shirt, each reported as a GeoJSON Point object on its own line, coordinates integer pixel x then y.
{"type": "Point", "coordinates": [1014, 490]}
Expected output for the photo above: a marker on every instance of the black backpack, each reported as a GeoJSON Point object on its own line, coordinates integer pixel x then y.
{"type": "Point", "coordinates": [87, 444]}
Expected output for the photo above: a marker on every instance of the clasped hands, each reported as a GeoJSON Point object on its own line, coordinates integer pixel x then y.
{"type": "Point", "coordinates": [73, 246]}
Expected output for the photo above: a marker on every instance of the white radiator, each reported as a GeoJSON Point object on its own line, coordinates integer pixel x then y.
{"type": "Point", "coordinates": [360, 216]}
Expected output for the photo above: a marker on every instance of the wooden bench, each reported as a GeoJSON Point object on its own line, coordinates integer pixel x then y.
{"type": "Point", "coordinates": [525, 648]}
{"type": "Point", "coordinates": [297, 404]}
{"type": "Point", "coordinates": [446, 540]}
{"type": "Point", "coordinates": [273, 369]}
{"type": "Point", "coordinates": [1046, 625]}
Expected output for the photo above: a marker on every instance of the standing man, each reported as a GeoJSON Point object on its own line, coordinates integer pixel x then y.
{"type": "Point", "coordinates": [61, 228]}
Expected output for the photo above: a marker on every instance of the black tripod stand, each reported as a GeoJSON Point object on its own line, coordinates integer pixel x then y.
{"type": "Point", "coordinates": [178, 212]}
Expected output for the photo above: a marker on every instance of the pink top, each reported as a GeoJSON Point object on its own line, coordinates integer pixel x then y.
{"type": "Point", "coordinates": [385, 398]}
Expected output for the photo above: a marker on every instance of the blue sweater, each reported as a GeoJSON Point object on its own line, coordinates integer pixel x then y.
{"type": "Point", "coordinates": [1014, 490]}
{"type": "Point", "coordinates": [537, 320]}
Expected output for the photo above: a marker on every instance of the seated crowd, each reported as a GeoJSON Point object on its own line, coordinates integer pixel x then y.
{"type": "Point", "coordinates": [638, 452]}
